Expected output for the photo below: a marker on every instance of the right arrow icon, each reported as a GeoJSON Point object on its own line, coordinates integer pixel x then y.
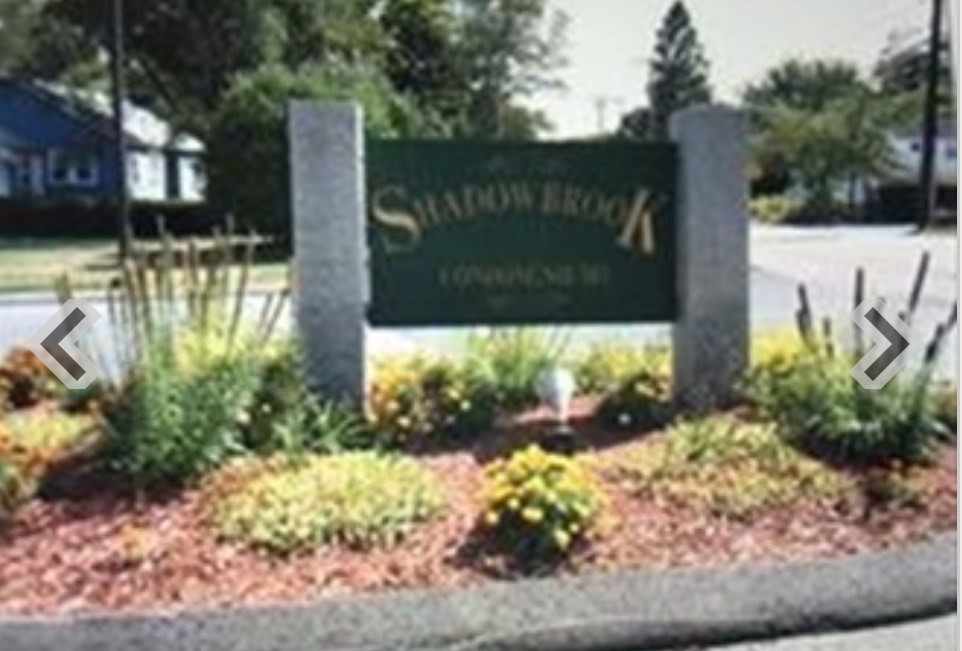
{"type": "Point", "coordinates": [892, 339]}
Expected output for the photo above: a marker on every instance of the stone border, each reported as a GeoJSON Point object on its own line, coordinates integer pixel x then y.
{"type": "Point", "coordinates": [630, 610]}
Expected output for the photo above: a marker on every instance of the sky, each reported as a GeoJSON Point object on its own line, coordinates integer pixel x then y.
{"type": "Point", "coordinates": [610, 42]}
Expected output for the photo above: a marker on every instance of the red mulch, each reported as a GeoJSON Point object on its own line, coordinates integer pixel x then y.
{"type": "Point", "coordinates": [106, 552]}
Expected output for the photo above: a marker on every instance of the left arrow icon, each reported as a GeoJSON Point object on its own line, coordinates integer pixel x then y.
{"type": "Point", "coordinates": [55, 344]}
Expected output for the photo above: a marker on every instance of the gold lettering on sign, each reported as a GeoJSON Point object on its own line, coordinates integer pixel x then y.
{"type": "Point", "coordinates": [526, 276]}
{"type": "Point", "coordinates": [406, 215]}
{"type": "Point", "coordinates": [638, 232]}
{"type": "Point", "coordinates": [404, 231]}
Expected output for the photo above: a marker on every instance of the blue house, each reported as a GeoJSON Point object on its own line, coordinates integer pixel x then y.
{"type": "Point", "coordinates": [58, 143]}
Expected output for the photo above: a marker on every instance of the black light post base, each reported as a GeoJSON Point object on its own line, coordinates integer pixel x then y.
{"type": "Point", "coordinates": [561, 439]}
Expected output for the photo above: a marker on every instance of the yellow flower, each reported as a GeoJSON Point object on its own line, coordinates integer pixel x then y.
{"type": "Point", "coordinates": [404, 422]}
{"type": "Point", "coordinates": [532, 515]}
{"type": "Point", "coordinates": [562, 539]}
{"type": "Point", "coordinates": [491, 518]}
{"type": "Point", "coordinates": [514, 504]}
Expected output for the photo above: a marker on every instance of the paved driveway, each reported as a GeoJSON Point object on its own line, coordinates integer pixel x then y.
{"type": "Point", "coordinates": [825, 258]}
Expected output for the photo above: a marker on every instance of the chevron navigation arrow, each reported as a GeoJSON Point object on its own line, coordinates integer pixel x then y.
{"type": "Point", "coordinates": [892, 339]}
{"type": "Point", "coordinates": [55, 344]}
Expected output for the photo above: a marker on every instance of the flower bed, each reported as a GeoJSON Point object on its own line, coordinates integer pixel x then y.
{"type": "Point", "coordinates": [211, 474]}
{"type": "Point", "coordinates": [111, 551]}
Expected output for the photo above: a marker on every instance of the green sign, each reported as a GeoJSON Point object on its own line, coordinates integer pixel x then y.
{"type": "Point", "coordinates": [497, 233]}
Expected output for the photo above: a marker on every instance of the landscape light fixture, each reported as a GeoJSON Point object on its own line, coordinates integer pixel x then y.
{"type": "Point", "coordinates": [556, 389]}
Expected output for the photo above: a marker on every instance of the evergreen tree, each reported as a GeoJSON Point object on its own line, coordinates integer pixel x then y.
{"type": "Point", "coordinates": [679, 72]}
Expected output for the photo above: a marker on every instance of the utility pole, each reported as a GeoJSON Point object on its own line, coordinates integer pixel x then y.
{"type": "Point", "coordinates": [118, 94]}
{"type": "Point", "coordinates": [927, 181]}
{"type": "Point", "coordinates": [602, 102]}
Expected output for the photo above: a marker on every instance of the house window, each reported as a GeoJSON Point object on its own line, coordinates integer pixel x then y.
{"type": "Point", "coordinates": [77, 168]}
{"type": "Point", "coordinates": [199, 173]}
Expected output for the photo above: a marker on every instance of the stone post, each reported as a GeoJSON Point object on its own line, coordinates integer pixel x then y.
{"type": "Point", "coordinates": [711, 333]}
{"type": "Point", "coordinates": [330, 299]}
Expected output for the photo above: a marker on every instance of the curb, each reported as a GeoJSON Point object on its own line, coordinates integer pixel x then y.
{"type": "Point", "coordinates": [637, 610]}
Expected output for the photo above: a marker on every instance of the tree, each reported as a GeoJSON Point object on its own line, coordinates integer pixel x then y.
{"type": "Point", "coordinates": [247, 151]}
{"type": "Point", "coordinates": [787, 92]}
{"type": "Point", "coordinates": [187, 51]}
{"type": "Point", "coordinates": [803, 86]}
{"type": "Point", "coordinates": [467, 61]}
{"type": "Point", "coordinates": [636, 125]}
{"type": "Point", "coordinates": [35, 44]}
{"type": "Point", "coordinates": [678, 76]}
{"type": "Point", "coordinates": [505, 53]}
{"type": "Point", "coordinates": [338, 32]}
{"type": "Point", "coordinates": [184, 54]}
{"type": "Point", "coordinates": [845, 141]}
{"type": "Point", "coordinates": [422, 58]}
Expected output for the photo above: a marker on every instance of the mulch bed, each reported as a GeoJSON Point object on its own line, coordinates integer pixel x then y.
{"type": "Point", "coordinates": [108, 552]}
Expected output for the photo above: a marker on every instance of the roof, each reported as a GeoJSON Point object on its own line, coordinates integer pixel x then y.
{"type": "Point", "coordinates": [9, 139]}
{"type": "Point", "coordinates": [94, 108]}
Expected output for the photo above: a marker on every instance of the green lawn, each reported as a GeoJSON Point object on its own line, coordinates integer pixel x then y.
{"type": "Point", "coordinates": [35, 264]}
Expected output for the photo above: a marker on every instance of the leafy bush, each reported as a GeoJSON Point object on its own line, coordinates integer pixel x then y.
{"type": "Point", "coordinates": [774, 350]}
{"type": "Point", "coordinates": [538, 504]}
{"type": "Point", "coordinates": [20, 471]}
{"type": "Point", "coordinates": [947, 406]}
{"type": "Point", "coordinates": [417, 400]}
{"type": "Point", "coordinates": [252, 182]}
{"type": "Point", "coordinates": [773, 209]}
{"type": "Point", "coordinates": [181, 414]}
{"type": "Point", "coordinates": [31, 441]}
{"type": "Point", "coordinates": [729, 468]}
{"type": "Point", "coordinates": [604, 367]}
{"type": "Point", "coordinates": [49, 433]}
{"type": "Point", "coordinates": [285, 416]}
{"type": "Point", "coordinates": [359, 499]}
{"type": "Point", "coordinates": [824, 411]}
{"type": "Point", "coordinates": [512, 360]}
{"type": "Point", "coordinates": [640, 401]}
{"type": "Point", "coordinates": [25, 381]}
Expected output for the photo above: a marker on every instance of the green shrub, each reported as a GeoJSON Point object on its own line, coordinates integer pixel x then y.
{"type": "Point", "coordinates": [512, 360]}
{"type": "Point", "coordinates": [824, 411]}
{"type": "Point", "coordinates": [31, 441]}
{"type": "Point", "coordinates": [251, 182]}
{"type": "Point", "coordinates": [606, 366]}
{"type": "Point", "coordinates": [49, 432]}
{"type": "Point", "coordinates": [773, 209]}
{"type": "Point", "coordinates": [640, 401]}
{"type": "Point", "coordinates": [947, 406]}
{"type": "Point", "coordinates": [181, 414]}
{"type": "Point", "coordinates": [728, 468]}
{"type": "Point", "coordinates": [775, 349]}
{"type": "Point", "coordinates": [538, 504]}
{"type": "Point", "coordinates": [359, 499]}
{"type": "Point", "coordinates": [285, 416]}
{"type": "Point", "coordinates": [416, 401]}
{"type": "Point", "coordinates": [20, 471]}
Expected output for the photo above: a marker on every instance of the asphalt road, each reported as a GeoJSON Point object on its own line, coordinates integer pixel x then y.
{"type": "Point", "coordinates": [932, 635]}
{"type": "Point", "coordinates": [824, 258]}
